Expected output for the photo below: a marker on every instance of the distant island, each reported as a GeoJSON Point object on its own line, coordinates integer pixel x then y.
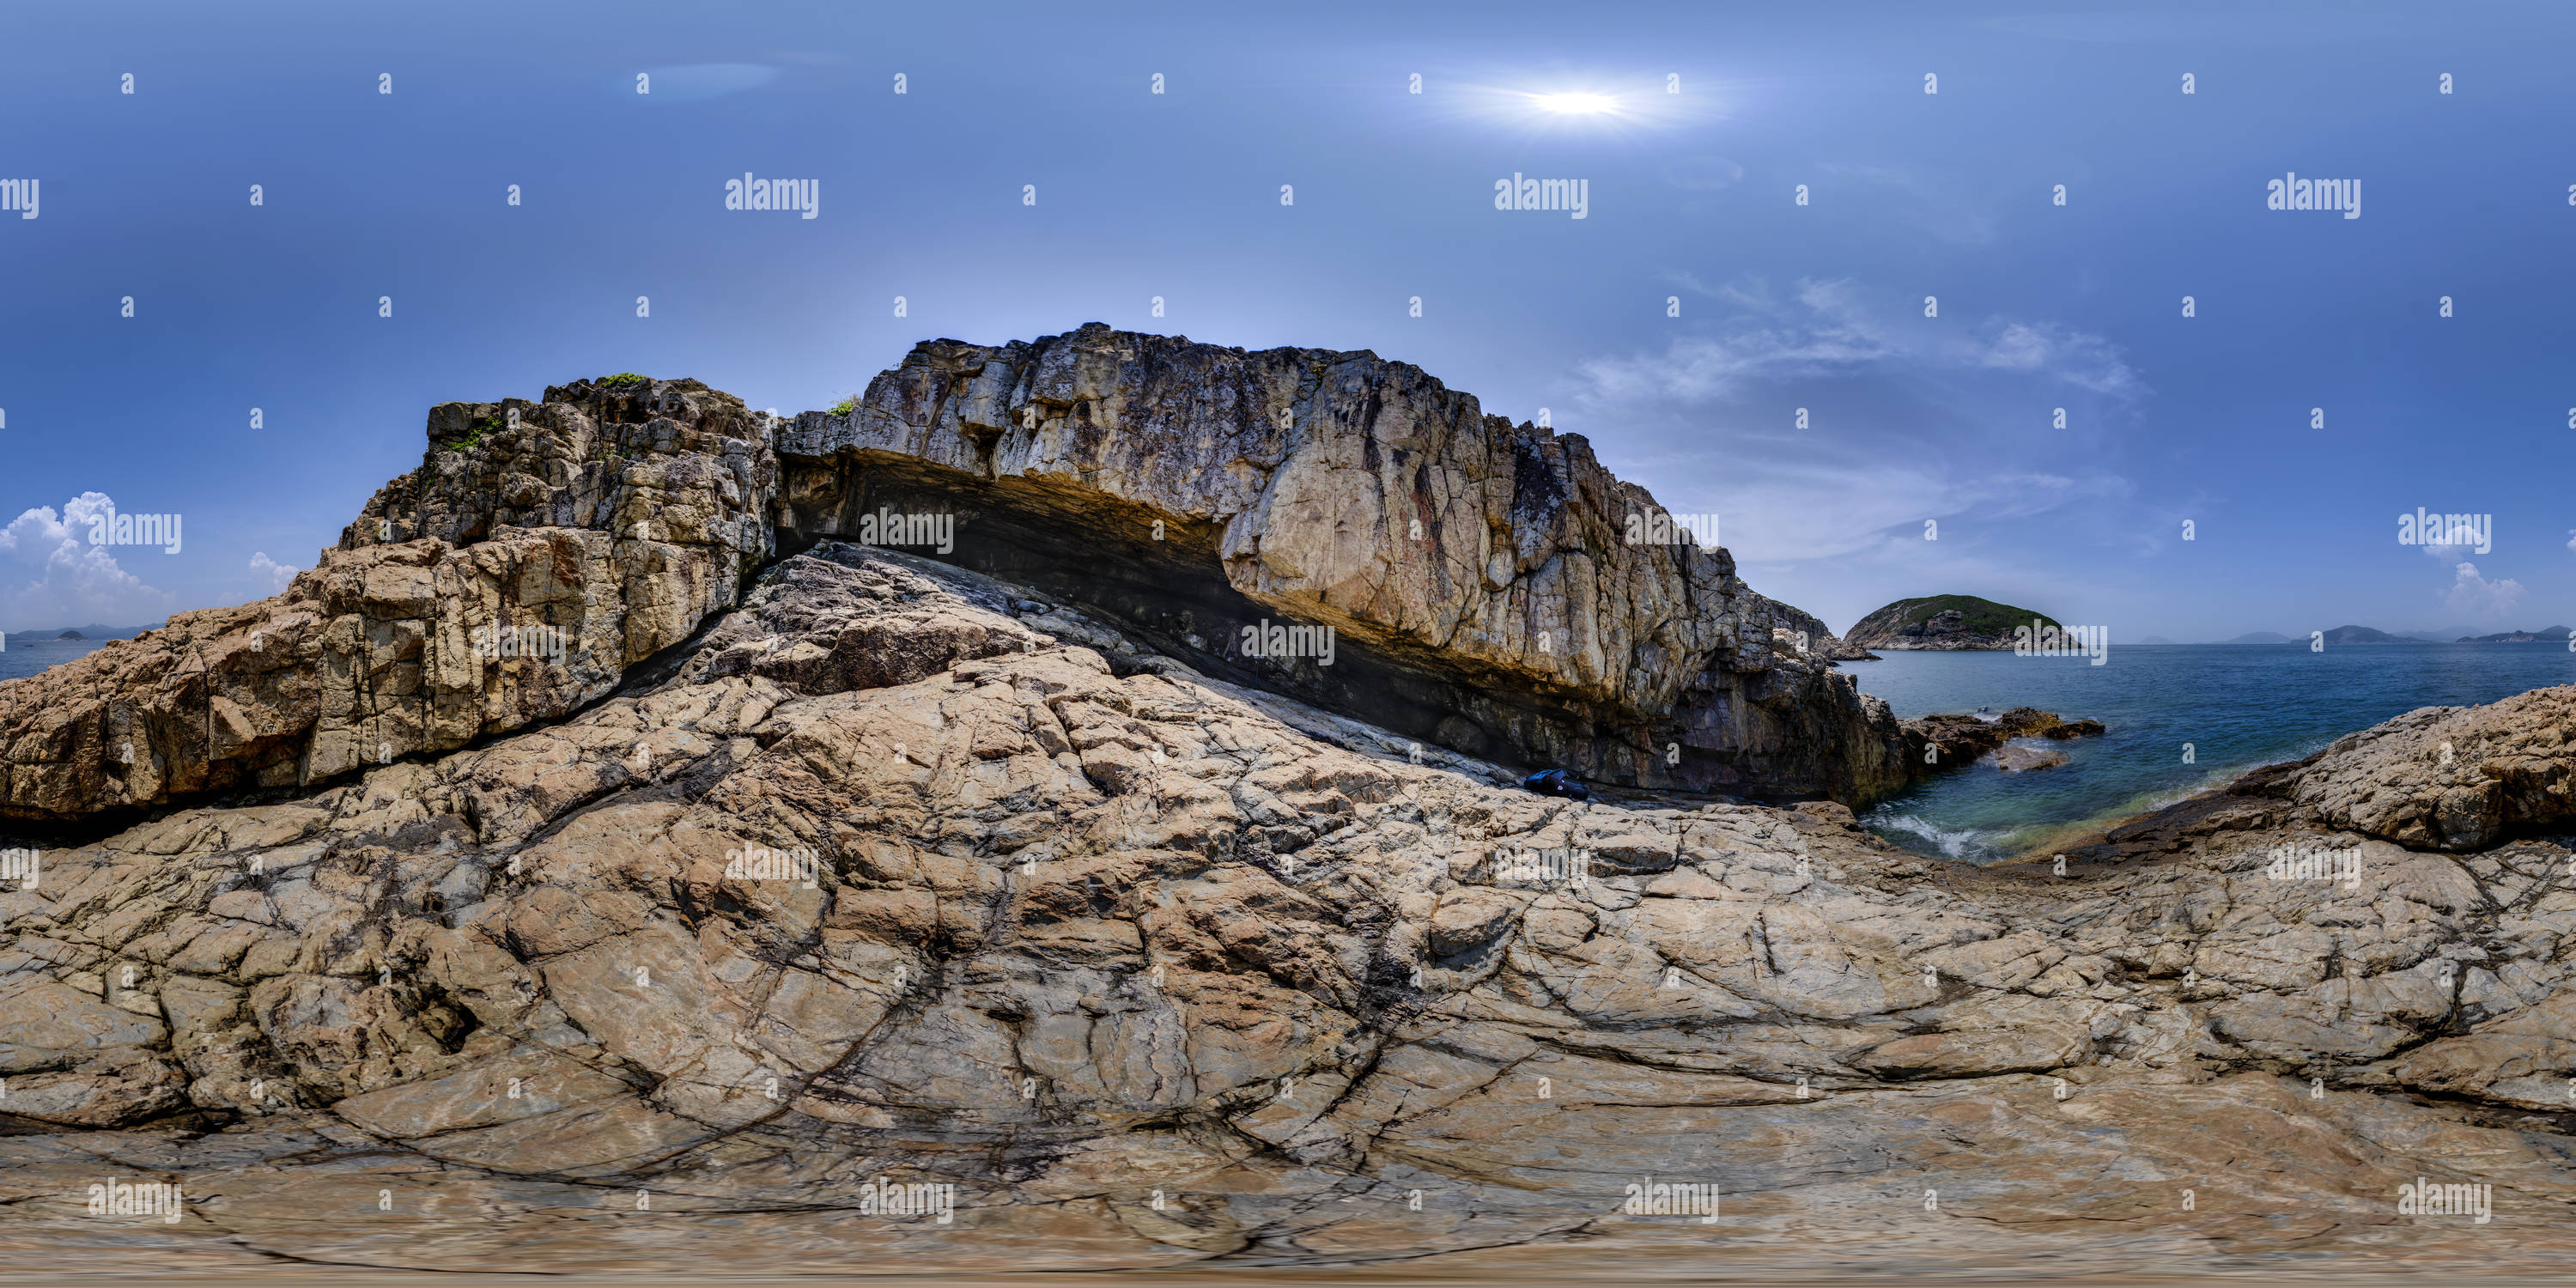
{"type": "Point", "coordinates": [2362, 635]}
{"type": "Point", "coordinates": [1944, 623]}
{"type": "Point", "coordinates": [2545, 635]}
{"type": "Point", "coordinates": [2155, 639]}
{"type": "Point", "coordinates": [2373, 635]}
{"type": "Point", "coordinates": [71, 635]}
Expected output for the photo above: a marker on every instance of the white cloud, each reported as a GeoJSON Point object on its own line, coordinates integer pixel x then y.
{"type": "Point", "coordinates": [1829, 330]}
{"type": "Point", "coordinates": [271, 574]}
{"type": "Point", "coordinates": [51, 575]}
{"type": "Point", "coordinates": [2476, 596]}
{"type": "Point", "coordinates": [1912, 419]}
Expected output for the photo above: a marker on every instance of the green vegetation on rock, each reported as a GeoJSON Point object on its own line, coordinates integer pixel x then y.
{"type": "Point", "coordinates": [1945, 622]}
{"type": "Point", "coordinates": [1984, 616]}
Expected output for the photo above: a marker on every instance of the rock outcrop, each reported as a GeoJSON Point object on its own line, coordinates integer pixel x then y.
{"type": "Point", "coordinates": [539, 552]}
{"type": "Point", "coordinates": [1475, 575]}
{"type": "Point", "coordinates": [2453, 779]}
{"type": "Point", "coordinates": [1944, 623]}
{"type": "Point", "coordinates": [1936, 743]}
{"type": "Point", "coordinates": [901, 876]}
{"type": "Point", "coordinates": [2014, 758]}
{"type": "Point", "coordinates": [1806, 632]}
{"type": "Point", "coordinates": [619, 867]}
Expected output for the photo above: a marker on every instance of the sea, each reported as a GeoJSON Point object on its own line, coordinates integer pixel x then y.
{"type": "Point", "coordinates": [2182, 718]}
{"type": "Point", "coordinates": [25, 657]}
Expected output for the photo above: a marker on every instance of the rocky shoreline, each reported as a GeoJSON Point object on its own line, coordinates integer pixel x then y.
{"type": "Point", "coordinates": [844, 906]}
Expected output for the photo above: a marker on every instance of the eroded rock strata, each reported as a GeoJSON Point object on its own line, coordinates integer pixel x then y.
{"type": "Point", "coordinates": [1020, 906]}
{"type": "Point", "coordinates": [1475, 574]}
{"type": "Point", "coordinates": [800, 876]}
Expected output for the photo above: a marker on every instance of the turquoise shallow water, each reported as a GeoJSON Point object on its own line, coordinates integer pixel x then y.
{"type": "Point", "coordinates": [2239, 705]}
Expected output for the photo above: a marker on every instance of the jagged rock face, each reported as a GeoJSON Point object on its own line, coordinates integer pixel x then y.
{"type": "Point", "coordinates": [663, 462]}
{"type": "Point", "coordinates": [600, 531]}
{"type": "Point", "coordinates": [1477, 573]}
{"type": "Point", "coordinates": [1153, 968]}
{"type": "Point", "coordinates": [1792, 623]}
{"type": "Point", "coordinates": [2452, 778]}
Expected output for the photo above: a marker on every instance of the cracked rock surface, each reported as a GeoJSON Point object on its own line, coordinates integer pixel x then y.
{"type": "Point", "coordinates": [896, 872]}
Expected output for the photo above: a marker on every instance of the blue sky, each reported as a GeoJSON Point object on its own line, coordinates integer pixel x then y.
{"type": "Point", "coordinates": [1177, 195]}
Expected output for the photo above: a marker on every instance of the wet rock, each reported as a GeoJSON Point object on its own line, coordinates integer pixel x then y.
{"type": "Point", "coordinates": [2013, 758]}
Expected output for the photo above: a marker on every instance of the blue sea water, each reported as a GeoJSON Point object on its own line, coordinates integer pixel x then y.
{"type": "Point", "coordinates": [25, 657]}
{"type": "Point", "coordinates": [2237, 705]}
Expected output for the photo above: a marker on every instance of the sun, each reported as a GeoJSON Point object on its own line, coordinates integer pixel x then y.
{"type": "Point", "coordinates": [1576, 104]}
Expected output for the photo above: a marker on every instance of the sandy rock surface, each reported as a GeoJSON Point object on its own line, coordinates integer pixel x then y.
{"type": "Point", "coordinates": [900, 875]}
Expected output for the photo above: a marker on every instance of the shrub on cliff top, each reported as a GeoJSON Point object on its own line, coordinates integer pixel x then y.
{"type": "Point", "coordinates": [623, 379]}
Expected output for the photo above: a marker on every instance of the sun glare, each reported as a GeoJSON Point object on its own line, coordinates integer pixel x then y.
{"type": "Point", "coordinates": [1576, 103]}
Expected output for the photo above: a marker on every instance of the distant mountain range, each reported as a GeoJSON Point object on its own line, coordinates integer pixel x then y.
{"type": "Point", "coordinates": [2373, 635]}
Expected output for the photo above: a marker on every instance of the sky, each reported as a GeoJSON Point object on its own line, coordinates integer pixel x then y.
{"type": "Point", "coordinates": [1028, 179]}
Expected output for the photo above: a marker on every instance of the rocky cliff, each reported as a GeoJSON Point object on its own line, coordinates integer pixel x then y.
{"type": "Point", "coordinates": [600, 527]}
{"type": "Point", "coordinates": [1474, 574]}
{"type": "Point", "coordinates": [1477, 573]}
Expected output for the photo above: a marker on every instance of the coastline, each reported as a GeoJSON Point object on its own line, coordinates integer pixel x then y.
{"type": "Point", "coordinates": [2090, 833]}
